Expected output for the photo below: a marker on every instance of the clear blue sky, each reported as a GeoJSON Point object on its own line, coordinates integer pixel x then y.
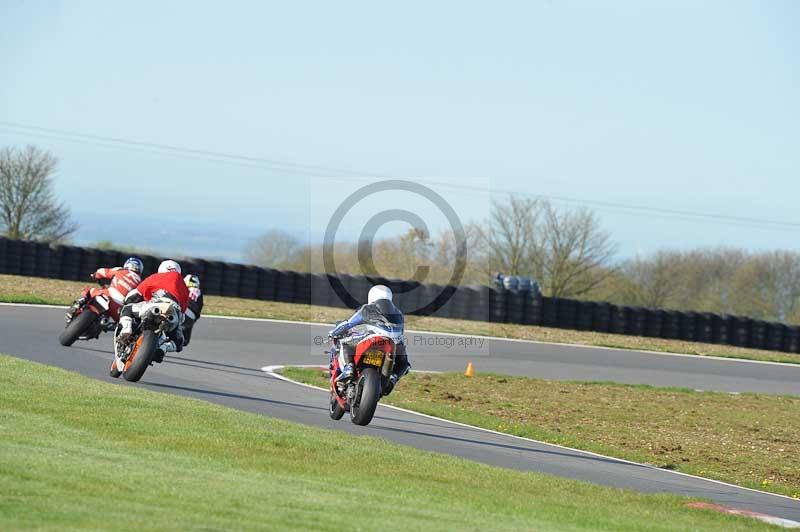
{"type": "Point", "coordinates": [677, 106]}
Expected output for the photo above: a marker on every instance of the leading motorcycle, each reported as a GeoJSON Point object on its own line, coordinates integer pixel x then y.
{"type": "Point", "coordinates": [373, 363]}
{"type": "Point", "coordinates": [150, 335]}
{"type": "Point", "coordinates": [93, 313]}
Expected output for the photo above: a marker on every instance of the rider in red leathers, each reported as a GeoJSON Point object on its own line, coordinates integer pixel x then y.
{"type": "Point", "coordinates": [167, 283]}
{"type": "Point", "coordinates": [122, 280]}
{"type": "Point", "coordinates": [117, 283]}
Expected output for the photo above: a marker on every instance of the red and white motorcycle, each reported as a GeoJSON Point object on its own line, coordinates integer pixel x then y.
{"type": "Point", "coordinates": [373, 363]}
{"type": "Point", "coordinates": [93, 313]}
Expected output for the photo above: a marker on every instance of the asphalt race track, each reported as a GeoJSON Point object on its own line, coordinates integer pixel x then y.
{"type": "Point", "coordinates": [224, 362]}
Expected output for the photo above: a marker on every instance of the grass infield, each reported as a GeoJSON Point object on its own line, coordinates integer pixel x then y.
{"type": "Point", "coordinates": [749, 440]}
{"type": "Point", "coordinates": [81, 454]}
{"type": "Point", "coordinates": [17, 289]}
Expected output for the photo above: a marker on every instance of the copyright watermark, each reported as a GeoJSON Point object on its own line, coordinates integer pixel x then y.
{"type": "Point", "coordinates": [448, 342]}
{"type": "Point", "coordinates": [424, 304]}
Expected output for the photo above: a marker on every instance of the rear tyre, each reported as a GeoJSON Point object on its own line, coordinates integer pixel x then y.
{"type": "Point", "coordinates": [140, 357]}
{"type": "Point", "coordinates": [335, 409]}
{"type": "Point", "coordinates": [78, 326]}
{"type": "Point", "coordinates": [369, 384]}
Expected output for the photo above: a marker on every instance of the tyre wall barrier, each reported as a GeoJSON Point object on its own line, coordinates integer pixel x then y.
{"type": "Point", "coordinates": [267, 284]}
{"type": "Point", "coordinates": [585, 315]}
{"type": "Point", "coordinates": [720, 329]}
{"type": "Point", "coordinates": [567, 313]}
{"type": "Point", "coordinates": [671, 324]}
{"type": "Point", "coordinates": [42, 260]}
{"type": "Point", "coordinates": [619, 320]}
{"type": "Point", "coordinates": [601, 321]}
{"type": "Point", "coordinates": [637, 319]}
{"type": "Point", "coordinates": [791, 340]}
{"type": "Point", "coordinates": [515, 306]}
{"type": "Point", "coordinates": [482, 311]}
{"type": "Point", "coordinates": [3, 255]}
{"type": "Point", "coordinates": [549, 312]}
{"type": "Point", "coordinates": [775, 334]}
{"type": "Point", "coordinates": [477, 303]}
{"type": "Point", "coordinates": [498, 306]}
{"type": "Point", "coordinates": [687, 326]}
{"type": "Point", "coordinates": [14, 257]}
{"type": "Point", "coordinates": [231, 276]}
{"type": "Point", "coordinates": [758, 334]}
{"type": "Point", "coordinates": [703, 328]}
{"type": "Point", "coordinates": [212, 283]}
{"type": "Point", "coordinates": [27, 265]}
{"type": "Point", "coordinates": [740, 331]}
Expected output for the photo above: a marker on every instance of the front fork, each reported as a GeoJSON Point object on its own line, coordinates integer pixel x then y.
{"type": "Point", "coordinates": [118, 360]}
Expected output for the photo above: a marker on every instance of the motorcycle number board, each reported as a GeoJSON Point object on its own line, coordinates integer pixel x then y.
{"type": "Point", "coordinates": [373, 357]}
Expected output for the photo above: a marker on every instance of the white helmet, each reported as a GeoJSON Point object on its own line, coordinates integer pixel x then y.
{"type": "Point", "coordinates": [377, 292]}
{"type": "Point", "coordinates": [169, 266]}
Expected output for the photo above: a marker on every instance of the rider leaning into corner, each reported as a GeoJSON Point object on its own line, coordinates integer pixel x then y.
{"type": "Point", "coordinates": [378, 311]}
{"type": "Point", "coordinates": [166, 284]}
{"type": "Point", "coordinates": [121, 280]}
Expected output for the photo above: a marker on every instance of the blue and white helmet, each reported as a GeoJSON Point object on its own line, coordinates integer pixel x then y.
{"type": "Point", "coordinates": [134, 264]}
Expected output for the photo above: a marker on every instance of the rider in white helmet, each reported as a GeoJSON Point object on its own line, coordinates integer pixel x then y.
{"type": "Point", "coordinates": [169, 266]}
{"type": "Point", "coordinates": [379, 309]}
{"type": "Point", "coordinates": [166, 284]}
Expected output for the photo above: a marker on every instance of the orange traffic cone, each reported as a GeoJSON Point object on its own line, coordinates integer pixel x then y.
{"type": "Point", "coordinates": [470, 370]}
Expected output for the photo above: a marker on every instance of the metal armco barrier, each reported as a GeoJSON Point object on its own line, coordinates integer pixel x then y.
{"type": "Point", "coordinates": [476, 303]}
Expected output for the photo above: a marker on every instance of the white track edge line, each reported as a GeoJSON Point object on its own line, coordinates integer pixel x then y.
{"type": "Point", "coordinates": [495, 338]}
{"type": "Point", "coordinates": [272, 371]}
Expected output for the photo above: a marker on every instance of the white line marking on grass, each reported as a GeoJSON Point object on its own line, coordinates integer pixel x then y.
{"type": "Point", "coordinates": [273, 372]}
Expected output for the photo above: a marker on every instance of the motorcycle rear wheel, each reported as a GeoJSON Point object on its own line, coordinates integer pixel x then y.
{"type": "Point", "coordinates": [141, 356]}
{"type": "Point", "coordinates": [79, 325]}
{"type": "Point", "coordinates": [363, 410]}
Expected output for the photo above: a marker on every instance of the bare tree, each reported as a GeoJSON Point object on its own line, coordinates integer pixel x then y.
{"type": "Point", "coordinates": [445, 256]}
{"type": "Point", "coordinates": [275, 249]}
{"type": "Point", "coordinates": [575, 254]}
{"type": "Point", "coordinates": [654, 281]}
{"type": "Point", "coordinates": [28, 207]}
{"type": "Point", "coordinates": [511, 235]}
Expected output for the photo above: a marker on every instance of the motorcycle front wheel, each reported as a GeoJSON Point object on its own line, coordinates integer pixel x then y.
{"type": "Point", "coordinates": [140, 357]}
{"type": "Point", "coordinates": [79, 325]}
{"type": "Point", "coordinates": [335, 409]}
{"type": "Point", "coordinates": [369, 384]}
{"type": "Point", "coordinates": [113, 371]}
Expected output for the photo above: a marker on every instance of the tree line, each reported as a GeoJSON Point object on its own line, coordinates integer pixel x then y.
{"type": "Point", "coordinates": [567, 251]}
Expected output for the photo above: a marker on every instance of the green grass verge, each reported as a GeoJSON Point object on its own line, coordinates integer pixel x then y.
{"type": "Point", "coordinates": [81, 454]}
{"type": "Point", "coordinates": [749, 440]}
{"type": "Point", "coordinates": [17, 289]}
